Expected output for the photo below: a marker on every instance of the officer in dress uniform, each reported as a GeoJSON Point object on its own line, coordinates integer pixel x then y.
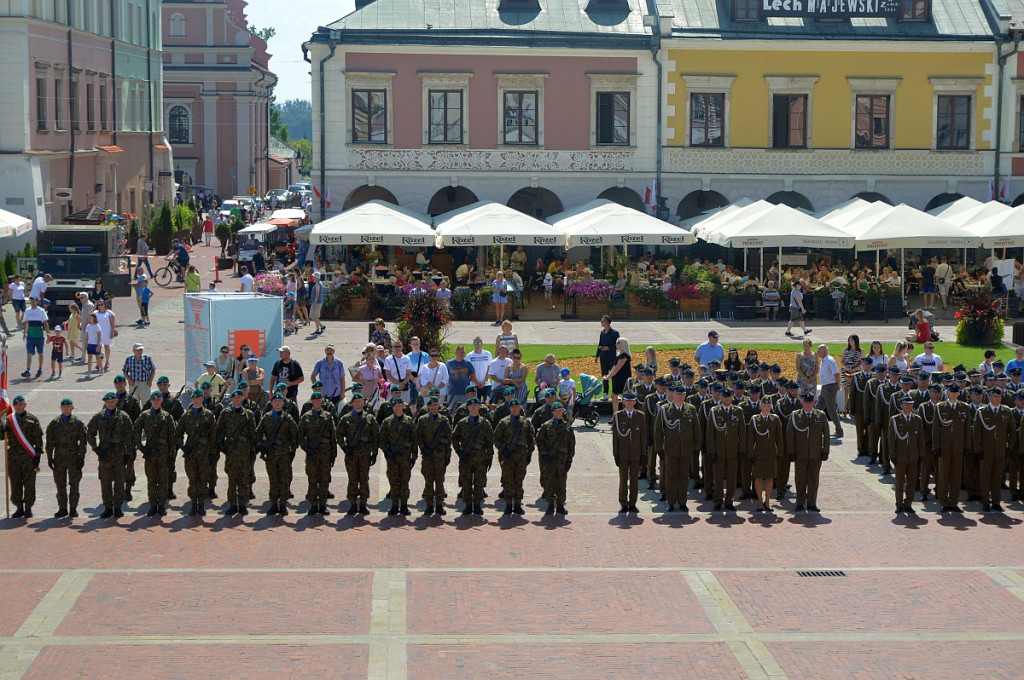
{"type": "Point", "coordinates": [858, 386]}
{"type": "Point", "coordinates": [629, 443]}
{"type": "Point", "coordinates": [951, 432]}
{"type": "Point", "coordinates": [764, 447]}
{"type": "Point", "coordinates": [677, 439]}
{"type": "Point", "coordinates": [651, 404]}
{"type": "Point", "coordinates": [927, 412]}
{"type": "Point", "coordinates": [994, 437]}
{"type": "Point", "coordinates": [807, 444]}
{"type": "Point", "coordinates": [906, 442]}
{"type": "Point", "coordinates": [785, 405]}
{"type": "Point", "coordinates": [727, 439]}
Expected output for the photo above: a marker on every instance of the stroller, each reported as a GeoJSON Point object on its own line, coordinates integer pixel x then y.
{"type": "Point", "coordinates": [590, 389]}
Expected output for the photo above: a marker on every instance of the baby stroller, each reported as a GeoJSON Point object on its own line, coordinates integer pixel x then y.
{"type": "Point", "coordinates": [590, 389]}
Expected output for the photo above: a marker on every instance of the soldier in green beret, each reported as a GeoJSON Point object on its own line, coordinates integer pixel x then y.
{"type": "Point", "coordinates": [196, 435]}
{"type": "Point", "coordinates": [556, 447]}
{"type": "Point", "coordinates": [127, 403]}
{"type": "Point", "coordinates": [111, 435]}
{"type": "Point", "coordinates": [65, 454]}
{"type": "Point", "coordinates": [434, 434]}
{"type": "Point", "coordinates": [398, 441]}
{"type": "Point", "coordinates": [318, 440]}
{"type": "Point", "coordinates": [514, 439]}
{"type": "Point", "coordinates": [173, 407]}
{"type": "Point", "coordinates": [154, 437]}
{"type": "Point", "coordinates": [473, 439]}
{"type": "Point", "coordinates": [276, 438]}
{"type": "Point", "coordinates": [357, 435]}
{"type": "Point", "coordinates": [236, 438]}
{"type": "Point", "coordinates": [22, 463]}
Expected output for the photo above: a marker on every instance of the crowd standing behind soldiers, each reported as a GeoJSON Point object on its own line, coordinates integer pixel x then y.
{"type": "Point", "coordinates": [727, 434]}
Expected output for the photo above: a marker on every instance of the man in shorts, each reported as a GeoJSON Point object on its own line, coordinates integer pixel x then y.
{"type": "Point", "coordinates": [943, 280]}
{"type": "Point", "coordinates": [316, 302]}
{"type": "Point", "coordinates": [35, 330]}
{"type": "Point", "coordinates": [796, 309]}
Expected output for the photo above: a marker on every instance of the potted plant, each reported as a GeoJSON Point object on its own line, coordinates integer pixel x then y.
{"type": "Point", "coordinates": [745, 301]}
{"type": "Point", "coordinates": [726, 302]}
{"type": "Point", "coordinates": [590, 297]}
{"type": "Point", "coordinates": [978, 320]}
{"type": "Point", "coordinates": [465, 303]}
{"type": "Point", "coordinates": [645, 302]}
{"type": "Point", "coordinates": [349, 302]}
{"type": "Point", "coordinates": [691, 299]}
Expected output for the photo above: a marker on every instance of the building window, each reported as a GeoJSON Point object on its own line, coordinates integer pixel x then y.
{"type": "Point", "coordinates": [369, 117]}
{"type": "Point", "coordinates": [872, 122]}
{"type": "Point", "coordinates": [613, 118]}
{"type": "Point", "coordinates": [953, 122]}
{"type": "Point", "coordinates": [58, 97]}
{"type": "Point", "coordinates": [789, 121]}
{"type": "Point", "coordinates": [520, 117]}
{"type": "Point", "coordinates": [707, 119]}
{"type": "Point", "coordinates": [915, 10]}
{"type": "Point", "coordinates": [745, 10]}
{"type": "Point", "coordinates": [177, 26]}
{"type": "Point", "coordinates": [179, 130]}
{"type": "Point", "coordinates": [445, 124]}
{"type": "Point", "coordinates": [103, 105]}
{"type": "Point", "coordinates": [41, 101]}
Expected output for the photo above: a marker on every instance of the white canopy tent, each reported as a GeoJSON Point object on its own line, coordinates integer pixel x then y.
{"type": "Point", "coordinates": [1002, 230]}
{"type": "Point", "coordinates": [727, 214]}
{"type": "Point", "coordinates": [12, 224]}
{"type": "Point", "coordinates": [967, 210]}
{"type": "Point", "coordinates": [605, 223]}
{"type": "Point", "coordinates": [487, 223]}
{"type": "Point", "coordinates": [288, 214]}
{"type": "Point", "coordinates": [854, 209]}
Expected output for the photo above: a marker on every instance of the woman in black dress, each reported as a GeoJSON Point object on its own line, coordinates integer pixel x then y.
{"type": "Point", "coordinates": [605, 355]}
{"type": "Point", "coordinates": [619, 373]}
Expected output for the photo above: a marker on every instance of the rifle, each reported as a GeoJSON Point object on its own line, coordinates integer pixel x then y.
{"type": "Point", "coordinates": [224, 443]}
{"type": "Point", "coordinates": [390, 452]}
{"type": "Point", "coordinates": [462, 453]}
{"type": "Point", "coordinates": [429, 449]}
{"type": "Point", "coordinates": [507, 449]}
{"type": "Point", "coordinates": [355, 437]}
{"type": "Point", "coordinates": [188, 447]}
{"type": "Point", "coordinates": [309, 444]}
{"type": "Point", "coordinates": [273, 440]}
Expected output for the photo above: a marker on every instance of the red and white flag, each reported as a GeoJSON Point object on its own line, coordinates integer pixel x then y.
{"type": "Point", "coordinates": [5, 406]}
{"type": "Point", "coordinates": [1004, 193]}
{"type": "Point", "coordinates": [328, 196]}
{"type": "Point", "coordinates": [651, 195]}
{"type": "Point", "coordinates": [316, 192]}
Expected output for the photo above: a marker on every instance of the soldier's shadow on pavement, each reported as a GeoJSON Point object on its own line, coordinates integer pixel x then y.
{"type": "Point", "coordinates": [809, 520]}
{"type": "Point", "coordinates": [626, 521]}
{"type": "Point", "coordinates": [909, 521]}
{"type": "Point", "coordinates": [186, 523]}
{"type": "Point", "coordinates": [506, 522]}
{"type": "Point", "coordinates": [675, 520]}
{"type": "Point", "coordinates": [766, 519]}
{"type": "Point", "coordinates": [956, 521]}
{"type": "Point", "coordinates": [725, 520]}
{"type": "Point", "coordinates": [223, 522]}
{"type": "Point", "coordinates": [347, 522]}
{"type": "Point", "coordinates": [553, 522]}
{"type": "Point", "coordinates": [998, 520]}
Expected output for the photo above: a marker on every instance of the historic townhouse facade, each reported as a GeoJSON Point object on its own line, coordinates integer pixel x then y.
{"type": "Point", "coordinates": [80, 121]}
{"type": "Point", "coordinates": [217, 97]}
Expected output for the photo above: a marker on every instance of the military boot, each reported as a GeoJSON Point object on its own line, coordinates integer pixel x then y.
{"type": "Point", "coordinates": [363, 510]}
{"type": "Point", "coordinates": [394, 507]}
{"type": "Point", "coordinates": [518, 509]}
{"type": "Point", "coordinates": [353, 508]}
{"type": "Point", "coordinates": [118, 512]}
{"type": "Point", "coordinates": [73, 512]}
{"type": "Point", "coordinates": [107, 512]}
{"type": "Point", "coordinates": [439, 509]}
{"type": "Point", "coordinates": [19, 513]}
{"type": "Point", "coordinates": [324, 510]}
{"type": "Point", "coordinates": [429, 511]}
{"type": "Point", "coordinates": [272, 510]}
{"type": "Point", "coordinates": [62, 512]}
{"type": "Point", "coordinates": [405, 509]}
{"type": "Point", "coordinates": [562, 510]}
{"type": "Point", "coordinates": [152, 511]}
{"type": "Point", "coordinates": [282, 508]}
{"type": "Point", "coordinates": [313, 509]}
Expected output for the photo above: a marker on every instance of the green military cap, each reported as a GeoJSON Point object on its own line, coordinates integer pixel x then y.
{"type": "Point", "coordinates": [431, 400]}
{"type": "Point", "coordinates": [156, 394]}
{"type": "Point", "coordinates": [471, 388]}
{"type": "Point", "coordinates": [281, 386]}
{"type": "Point", "coordinates": [556, 405]}
{"type": "Point", "coordinates": [66, 401]}
{"type": "Point", "coordinates": [18, 399]}
{"type": "Point", "coordinates": [317, 395]}
{"type": "Point", "coordinates": [396, 400]}
{"type": "Point", "coordinates": [472, 400]}
{"type": "Point", "coordinates": [509, 390]}
{"type": "Point", "coordinates": [356, 386]}
{"type": "Point", "coordinates": [515, 402]}
{"type": "Point", "coordinates": [120, 378]}
{"type": "Point", "coordinates": [206, 385]}
{"type": "Point", "coordinates": [317, 383]}
{"type": "Point", "coordinates": [108, 395]}
{"type": "Point", "coordinates": [356, 395]}
{"type": "Point", "coordinates": [277, 395]}
{"type": "Point", "coordinates": [197, 393]}
{"type": "Point", "coordinates": [239, 393]}
{"type": "Point", "coordinates": [163, 379]}
{"type": "Point", "coordinates": [242, 384]}
{"type": "Point", "coordinates": [434, 390]}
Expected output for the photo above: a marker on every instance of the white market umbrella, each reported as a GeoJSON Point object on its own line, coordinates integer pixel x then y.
{"type": "Point", "coordinates": [376, 223]}
{"type": "Point", "coordinates": [288, 214]}
{"type": "Point", "coordinates": [715, 219]}
{"type": "Point", "coordinates": [982, 211]}
{"type": "Point", "coordinates": [605, 223]}
{"type": "Point", "coordinates": [1003, 230]}
{"type": "Point", "coordinates": [960, 205]}
{"type": "Point", "coordinates": [487, 223]}
{"type": "Point", "coordinates": [12, 224]}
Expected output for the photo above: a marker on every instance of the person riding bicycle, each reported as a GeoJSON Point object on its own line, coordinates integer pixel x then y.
{"type": "Point", "coordinates": [181, 256]}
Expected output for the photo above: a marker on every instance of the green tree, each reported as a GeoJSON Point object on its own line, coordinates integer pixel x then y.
{"type": "Point", "coordinates": [304, 147]}
{"type": "Point", "coordinates": [277, 128]}
{"type": "Point", "coordinates": [223, 233]}
{"type": "Point", "coordinates": [163, 223]}
{"type": "Point", "coordinates": [265, 33]}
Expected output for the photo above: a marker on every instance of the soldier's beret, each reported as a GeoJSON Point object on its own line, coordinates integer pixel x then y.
{"type": "Point", "coordinates": [674, 362]}
{"type": "Point", "coordinates": [277, 395]}
{"type": "Point", "coordinates": [242, 384]}
{"type": "Point", "coordinates": [907, 380]}
{"type": "Point", "coordinates": [356, 395]}
{"type": "Point", "coordinates": [550, 392]}
{"type": "Point", "coordinates": [473, 400]}
{"type": "Point", "coordinates": [726, 393]}
{"type": "Point", "coordinates": [688, 373]}
{"type": "Point", "coordinates": [108, 395]}
{"type": "Point", "coordinates": [281, 386]}
{"type": "Point", "coordinates": [317, 395]}
{"type": "Point", "coordinates": [907, 400]}
{"type": "Point", "coordinates": [807, 397]}
{"type": "Point", "coordinates": [396, 400]}
{"type": "Point", "coordinates": [754, 387]}
{"type": "Point", "coordinates": [206, 385]}
{"type": "Point", "coordinates": [515, 402]}
{"type": "Point", "coordinates": [431, 400]}
{"type": "Point", "coordinates": [434, 390]}
{"type": "Point", "coordinates": [953, 388]}
{"type": "Point", "coordinates": [199, 393]}
{"type": "Point", "coordinates": [509, 390]}
{"type": "Point", "coordinates": [238, 393]}
{"type": "Point", "coordinates": [471, 389]}
{"type": "Point", "coordinates": [163, 379]}
{"type": "Point", "coordinates": [317, 383]}
{"type": "Point", "coordinates": [120, 378]}
{"type": "Point", "coordinates": [66, 401]}
{"type": "Point", "coordinates": [935, 388]}
{"type": "Point", "coordinates": [867, 360]}
{"type": "Point", "coordinates": [629, 396]}
{"type": "Point", "coordinates": [156, 394]}
{"type": "Point", "coordinates": [660, 381]}
{"type": "Point", "coordinates": [19, 399]}
{"type": "Point", "coordinates": [356, 386]}
{"type": "Point", "coordinates": [557, 405]}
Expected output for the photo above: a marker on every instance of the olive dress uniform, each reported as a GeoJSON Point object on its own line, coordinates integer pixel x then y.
{"type": "Point", "coordinates": [398, 442]}
{"type": "Point", "coordinates": [629, 444]}
{"type": "Point", "coordinates": [883, 411]}
{"type": "Point", "coordinates": [154, 437]}
{"type": "Point", "coordinates": [112, 436]}
{"type": "Point", "coordinates": [764, 445]}
{"type": "Point", "coordinates": [473, 440]}
{"type": "Point", "coordinates": [857, 408]}
{"type": "Point", "coordinates": [951, 432]}
{"type": "Point", "coordinates": [357, 434]}
{"type": "Point", "coordinates": [236, 437]}
{"type": "Point", "coordinates": [972, 465]}
{"type": "Point", "coordinates": [276, 438]}
{"type": "Point", "coordinates": [316, 435]}
{"type": "Point", "coordinates": [677, 437]}
{"type": "Point", "coordinates": [785, 406]}
{"type": "Point", "coordinates": [196, 435]}
{"type": "Point", "coordinates": [65, 454]}
{"type": "Point", "coordinates": [643, 391]}
{"type": "Point", "coordinates": [906, 442]}
{"type": "Point", "coordinates": [556, 447]}
{"type": "Point", "coordinates": [926, 466]}
{"type": "Point", "coordinates": [23, 466]}
{"type": "Point", "coordinates": [514, 440]}
{"type": "Point", "coordinates": [867, 405]}
{"type": "Point", "coordinates": [1015, 463]}
{"type": "Point", "coordinates": [651, 404]}
{"type": "Point", "coordinates": [994, 436]}
{"type": "Point", "coordinates": [727, 443]}
{"type": "Point", "coordinates": [807, 444]}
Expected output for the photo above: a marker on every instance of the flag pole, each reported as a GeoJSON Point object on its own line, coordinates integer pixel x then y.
{"type": "Point", "coordinates": [7, 455]}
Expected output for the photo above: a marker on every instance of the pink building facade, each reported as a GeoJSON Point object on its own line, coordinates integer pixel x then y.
{"type": "Point", "coordinates": [217, 96]}
{"type": "Point", "coordinates": [79, 119]}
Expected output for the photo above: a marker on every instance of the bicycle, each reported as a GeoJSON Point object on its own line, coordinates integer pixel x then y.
{"type": "Point", "coordinates": [170, 271]}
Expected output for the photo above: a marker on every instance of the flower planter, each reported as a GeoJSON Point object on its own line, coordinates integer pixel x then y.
{"type": "Point", "coordinates": [979, 338]}
{"type": "Point", "coordinates": [695, 305]}
{"type": "Point", "coordinates": [641, 310]}
{"type": "Point", "coordinates": [745, 306]}
{"type": "Point", "coordinates": [358, 308]}
{"type": "Point", "coordinates": [726, 307]}
{"type": "Point", "coordinates": [823, 307]}
{"type": "Point", "coordinates": [589, 308]}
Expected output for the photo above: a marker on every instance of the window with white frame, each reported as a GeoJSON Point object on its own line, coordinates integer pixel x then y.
{"type": "Point", "coordinates": [791, 99]}
{"type": "Point", "coordinates": [953, 101]}
{"type": "Point", "coordinates": [58, 100]}
{"type": "Point", "coordinates": [176, 25]}
{"type": "Point", "coordinates": [613, 111]}
{"type": "Point", "coordinates": [42, 117]}
{"type": "Point", "coordinates": [521, 107]}
{"type": "Point", "coordinates": [179, 125]}
{"type": "Point", "coordinates": [707, 112]}
{"type": "Point", "coordinates": [90, 103]}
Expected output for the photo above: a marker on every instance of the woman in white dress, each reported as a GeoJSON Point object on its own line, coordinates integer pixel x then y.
{"type": "Point", "coordinates": [107, 321]}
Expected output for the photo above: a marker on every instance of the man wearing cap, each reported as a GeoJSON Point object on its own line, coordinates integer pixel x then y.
{"type": "Point", "coordinates": [674, 375]}
{"type": "Point", "coordinates": [872, 392]}
{"type": "Point", "coordinates": [883, 410]}
{"type": "Point", "coordinates": [751, 407]}
{"type": "Point", "coordinates": [35, 330]}
{"type": "Point", "coordinates": [289, 405]}
{"type": "Point", "coordinates": [398, 442]}
{"type": "Point", "coordinates": [22, 463]}
{"type": "Point", "coordinates": [710, 351]}
{"type": "Point", "coordinates": [140, 371]}
{"type": "Point", "coordinates": [318, 440]}
{"type": "Point", "coordinates": [926, 411]}
{"type": "Point", "coordinates": [705, 472]}
{"type": "Point", "coordinates": [951, 432]}
{"type": "Point", "coordinates": [276, 439]}
{"type": "Point", "coordinates": [556, 446]}
{"type": "Point", "coordinates": [1014, 463]}
{"type": "Point", "coordinates": [332, 372]}
{"type": "Point", "coordinates": [727, 444]}
{"type": "Point", "coordinates": [995, 435]}
{"type": "Point", "coordinates": [154, 437]}
{"type": "Point", "coordinates": [514, 437]}
{"type": "Point", "coordinates": [196, 435]}
{"type": "Point", "coordinates": [906, 447]}
{"type": "Point", "coordinates": [129, 405]}
{"type": "Point", "coordinates": [652, 404]}
{"type": "Point", "coordinates": [288, 371]}
{"type": "Point", "coordinates": [65, 454]}
{"type": "Point", "coordinates": [473, 440]}
{"type": "Point", "coordinates": [807, 445]}
{"type": "Point", "coordinates": [434, 435]}
{"type": "Point", "coordinates": [112, 437]}
{"type": "Point", "coordinates": [357, 435]}
{"type": "Point", "coordinates": [677, 440]}
{"type": "Point", "coordinates": [786, 404]}
{"type": "Point", "coordinates": [764, 448]}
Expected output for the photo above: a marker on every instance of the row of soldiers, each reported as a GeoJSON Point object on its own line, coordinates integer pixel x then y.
{"type": "Point", "coordinates": [953, 428]}
{"type": "Point", "coordinates": [241, 432]}
{"type": "Point", "coordinates": [722, 435]}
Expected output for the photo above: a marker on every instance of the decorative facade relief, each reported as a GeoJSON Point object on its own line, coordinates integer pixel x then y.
{"type": "Point", "coordinates": [824, 162]}
{"type": "Point", "coordinates": [489, 160]}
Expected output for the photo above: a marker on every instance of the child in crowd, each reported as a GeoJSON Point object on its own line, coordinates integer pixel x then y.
{"type": "Point", "coordinates": [75, 331]}
{"type": "Point", "coordinates": [566, 390]}
{"type": "Point", "coordinates": [289, 313]}
{"type": "Point", "coordinates": [549, 283]}
{"type": "Point", "coordinates": [92, 344]}
{"type": "Point", "coordinates": [58, 342]}
{"type": "Point", "coordinates": [145, 294]}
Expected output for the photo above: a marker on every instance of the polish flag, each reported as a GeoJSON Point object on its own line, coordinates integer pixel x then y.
{"type": "Point", "coordinates": [5, 407]}
{"type": "Point", "coordinates": [328, 196]}
{"type": "Point", "coordinates": [316, 192]}
{"type": "Point", "coordinates": [651, 195]}
{"type": "Point", "coordinates": [1005, 191]}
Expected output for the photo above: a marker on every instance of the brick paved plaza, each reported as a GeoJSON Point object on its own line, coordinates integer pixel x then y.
{"type": "Point", "coordinates": [591, 595]}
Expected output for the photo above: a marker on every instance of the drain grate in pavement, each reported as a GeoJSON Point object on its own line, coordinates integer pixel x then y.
{"type": "Point", "coordinates": [820, 574]}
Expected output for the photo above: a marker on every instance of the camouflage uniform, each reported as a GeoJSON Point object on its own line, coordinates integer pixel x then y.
{"type": "Point", "coordinates": [556, 447]}
{"type": "Point", "coordinates": [22, 467]}
{"type": "Point", "coordinates": [173, 406]}
{"type": "Point", "coordinates": [398, 442]}
{"type": "Point", "coordinates": [128, 404]}
{"type": "Point", "coordinates": [317, 437]}
{"type": "Point", "coordinates": [157, 428]}
{"type": "Point", "coordinates": [65, 452]}
{"type": "Point", "coordinates": [357, 435]}
{"type": "Point", "coordinates": [276, 438]}
{"type": "Point", "coordinates": [514, 439]}
{"type": "Point", "coordinates": [236, 437]}
{"type": "Point", "coordinates": [434, 435]}
{"type": "Point", "coordinates": [474, 443]}
{"type": "Point", "coordinates": [112, 437]}
{"type": "Point", "coordinates": [199, 451]}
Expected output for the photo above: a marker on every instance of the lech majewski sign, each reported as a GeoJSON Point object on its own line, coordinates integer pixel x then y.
{"type": "Point", "coordinates": [826, 9]}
